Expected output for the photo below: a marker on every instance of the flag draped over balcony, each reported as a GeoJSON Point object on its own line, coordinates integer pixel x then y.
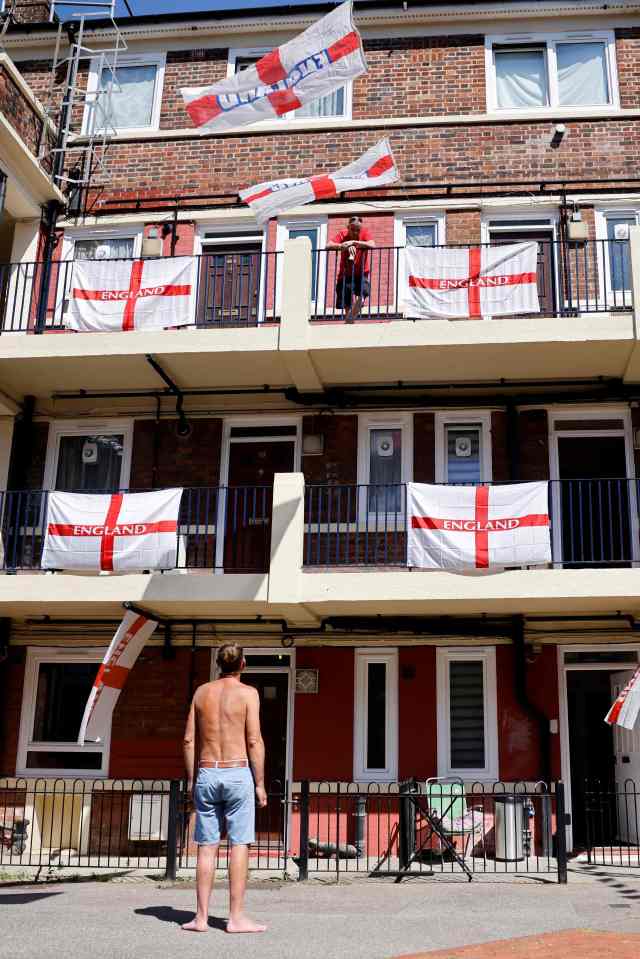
{"type": "Point", "coordinates": [124, 649]}
{"type": "Point", "coordinates": [110, 295]}
{"type": "Point", "coordinates": [374, 168]}
{"type": "Point", "coordinates": [472, 282]}
{"type": "Point", "coordinates": [463, 528]}
{"type": "Point", "coordinates": [122, 532]}
{"type": "Point", "coordinates": [323, 58]}
{"type": "Point", "coordinates": [626, 708]}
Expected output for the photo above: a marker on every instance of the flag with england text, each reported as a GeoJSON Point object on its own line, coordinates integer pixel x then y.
{"type": "Point", "coordinates": [124, 649]}
{"type": "Point", "coordinates": [374, 168]}
{"type": "Point", "coordinates": [626, 708]}
{"type": "Point", "coordinates": [463, 528]}
{"type": "Point", "coordinates": [472, 281]}
{"type": "Point", "coordinates": [322, 59]}
{"type": "Point", "coordinates": [119, 532]}
{"type": "Point", "coordinates": [110, 295]}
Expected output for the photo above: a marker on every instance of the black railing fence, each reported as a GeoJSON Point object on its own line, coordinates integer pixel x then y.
{"type": "Point", "coordinates": [395, 830]}
{"type": "Point", "coordinates": [612, 822]}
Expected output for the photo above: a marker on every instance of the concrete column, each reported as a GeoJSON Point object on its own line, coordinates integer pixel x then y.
{"type": "Point", "coordinates": [295, 314]}
{"type": "Point", "coordinates": [287, 539]}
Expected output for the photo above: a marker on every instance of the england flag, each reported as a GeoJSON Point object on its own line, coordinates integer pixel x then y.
{"type": "Point", "coordinates": [626, 708]}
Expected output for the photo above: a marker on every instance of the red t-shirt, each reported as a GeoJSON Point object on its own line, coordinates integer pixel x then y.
{"type": "Point", "coordinates": [360, 264]}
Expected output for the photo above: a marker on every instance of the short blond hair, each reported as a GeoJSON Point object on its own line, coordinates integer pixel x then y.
{"type": "Point", "coordinates": [230, 658]}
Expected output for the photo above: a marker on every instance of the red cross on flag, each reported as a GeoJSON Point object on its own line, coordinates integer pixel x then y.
{"type": "Point", "coordinates": [626, 708]}
{"type": "Point", "coordinates": [462, 528]}
{"type": "Point", "coordinates": [471, 282]}
{"type": "Point", "coordinates": [124, 649]}
{"type": "Point", "coordinates": [111, 295]}
{"type": "Point", "coordinates": [322, 59]}
{"type": "Point", "coordinates": [121, 532]}
{"type": "Point", "coordinates": [374, 168]}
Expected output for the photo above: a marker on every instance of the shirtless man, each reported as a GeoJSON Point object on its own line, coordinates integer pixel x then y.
{"type": "Point", "coordinates": [223, 734]}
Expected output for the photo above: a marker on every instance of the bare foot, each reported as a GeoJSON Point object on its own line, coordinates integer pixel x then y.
{"type": "Point", "coordinates": [196, 925]}
{"type": "Point", "coordinates": [245, 925]}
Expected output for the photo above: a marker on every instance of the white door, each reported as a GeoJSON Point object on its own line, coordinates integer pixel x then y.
{"type": "Point", "coordinates": [626, 747]}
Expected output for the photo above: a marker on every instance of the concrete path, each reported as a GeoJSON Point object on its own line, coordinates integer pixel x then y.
{"type": "Point", "coordinates": [134, 919]}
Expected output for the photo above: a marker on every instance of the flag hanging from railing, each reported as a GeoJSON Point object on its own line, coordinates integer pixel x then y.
{"type": "Point", "coordinates": [312, 65]}
{"type": "Point", "coordinates": [124, 649]}
{"type": "Point", "coordinates": [374, 168]}
{"type": "Point", "coordinates": [471, 282]}
{"type": "Point", "coordinates": [111, 295]}
{"type": "Point", "coordinates": [121, 532]}
{"type": "Point", "coordinates": [462, 528]}
{"type": "Point", "coordinates": [626, 708]}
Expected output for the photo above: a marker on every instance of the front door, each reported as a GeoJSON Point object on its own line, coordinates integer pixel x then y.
{"type": "Point", "coordinates": [626, 751]}
{"type": "Point", "coordinates": [274, 699]}
{"type": "Point", "coordinates": [546, 263]}
{"type": "Point", "coordinates": [229, 289]}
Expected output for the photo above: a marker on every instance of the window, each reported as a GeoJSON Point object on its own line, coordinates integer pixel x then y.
{"type": "Point", "coordinates": [104, 248]}
{"type": "Point", "coordinates": [376, 715]}
{"type": "Point", "coordinates": [463, 448]}
{"type": "Point", "coordinates": [467, 715]}
{"type": "Point", "coordinates": [316, 231]}
{"type": "Point", "coordinates": [127, 98]}
{"type": "Point", "coordinates": [89, 458]}
{"type": "Point", "coordinates": [384, 462]}
{"type": "Point", "coordinates": [538, 71]}
{"type": "Point", "coordinates": [336, 104]}
{"type": "Point", "coordinates": [57, 686]}
{"type": "Point", "coordinates": [619, 253]}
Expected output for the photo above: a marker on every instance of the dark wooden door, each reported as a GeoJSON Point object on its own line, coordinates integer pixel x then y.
{"type": "Point", "coordinates": [249, 499]}
{"type": "Point", "coordinates": [274, 696]}
{"type": "Point", "coordinates": [546, 263]}
{"type": "Point", "coordinates": [229, 290]}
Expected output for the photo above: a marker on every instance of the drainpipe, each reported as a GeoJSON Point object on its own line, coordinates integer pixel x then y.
{"type": "Point", "coordinates": [520, 688]}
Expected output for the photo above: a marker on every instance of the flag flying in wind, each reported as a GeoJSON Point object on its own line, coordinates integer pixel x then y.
{"type": "Point", "coordinates": [374, 168]}
{"type": "Point", "coordinates": [116, 533]}
{"type": "Point", "coordinates": [109, 295]}
{"type": "Point", "coordinates": [124, 649]}
{"type": "Point", "coordinates": [462, 528]}
{"type": "Point", "coordinates": [624, 711]}
{"type": "Point", "coordinates": [312, 65]}
{"type": "Point", "coordinates": [472, 281]}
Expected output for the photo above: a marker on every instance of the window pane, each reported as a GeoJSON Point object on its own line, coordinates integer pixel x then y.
{"type": "Point", "coordinates": [582, 73]}
{"type": "Point", "coordinates": [385, 470]}
{"type": "Point", "coordinates": [330, 106]}
{"type": "Point", "coordinates": [312, 233]}
{"type": "Point", "coordinates": [466, 704]}
{"type": "Point", "coordinates": [104, 248]}
{"type": "Point", "coordinates": [63, 689]}
{"type": "Point", "coordinates": [521, 78]}
{"type": "Point", "coordinates": [421, 234]}
{"type": "Point", "coordinates": [463, 454]}
{"type": "Point", "coordinates": [619, 256]}
{"type": "Point", "coordinates": [81, 759]}
{"type": "Point", "coordinates": [90, 463]}
{"type": "Point", "coordinates": [376, 715]}
{"type": "Point", "coordinates": [131, 98]}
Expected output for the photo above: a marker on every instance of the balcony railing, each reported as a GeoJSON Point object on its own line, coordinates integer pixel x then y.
{"type": "Point", "coordinates": [594, 522]}
{"type": "Point", "coordinates": [231, 290]}
{"type": "Point", "coordinates": [593, 276]}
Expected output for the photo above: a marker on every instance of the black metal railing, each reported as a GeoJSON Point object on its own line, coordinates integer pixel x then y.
{"type": "Point", "coordinates": [230, 290]}
{"type": "Point", "coordinates": [593, 276]}
{"type": "Point", "coordinates": [594, 522]}
{"type": "Point", "coordinates": [612, 819]}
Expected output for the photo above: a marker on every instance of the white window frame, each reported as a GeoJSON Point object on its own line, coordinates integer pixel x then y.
{"type": "Point", "coordinates": [236, 53]}
{"type": "Point", "coordinates": [97, 64]}
{"type": "Point", "coordinates": [60, 428]}
{"type": "Point", "coordinates": [382, 421]}
{"type": "Point", "coordinates": [486, 655]}
{"type": "Point", "coordinates": [512, 221]}
{"type": "Point", "coordinates": [400, 223]}
{"type": "Point", "coordinates": [36, 656]}
{"type": "Point", "coordinates": [466, 418]}
{"type": "Point", "coordinates": [363, 657]}
{"type": "Point", "coordinates": [623, 298]}
{"type": "Point", "coordinates": [69, 240]}
{"type": "Point", "coordinates": [550, 41]}
{"type": "Point", "coordinates": [220, 233]}
{"type": "Point", "coordinates": [283, 229]}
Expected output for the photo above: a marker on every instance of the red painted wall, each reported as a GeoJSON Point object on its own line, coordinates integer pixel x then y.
{"type": "Point", "coordinates": [418, 748]}
{"type": "Point", "coordinates": [323, 733]}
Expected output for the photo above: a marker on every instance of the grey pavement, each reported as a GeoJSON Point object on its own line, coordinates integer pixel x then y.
{"type": "Point", "coordinates": [361, 918]}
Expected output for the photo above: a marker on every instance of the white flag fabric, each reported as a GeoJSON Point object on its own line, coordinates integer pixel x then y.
{"type": "Point", "coordinates": [323, 58]}
{"type": "Point", "coordinates": [626, 708]}
{"type": "Point", "coordinates": [124, 649]}
{"type": "Point", "coordinates": [111, 295]}
{"type": "Point", "coordinates": [472, 281]}
{"type": "Point", "coordinates": [374, 168]}
{"type": "Point", "coordinates": [462, 528]}
{"type": "Point", "coordinates": [117, 533]}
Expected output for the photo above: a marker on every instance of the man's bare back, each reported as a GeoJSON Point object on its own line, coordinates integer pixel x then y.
{"type": "Point", "coordinates": [222, 709]}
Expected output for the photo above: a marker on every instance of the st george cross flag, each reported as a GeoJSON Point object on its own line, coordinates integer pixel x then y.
{"type": "Point", "coordinates": [118, 533]}
{"type": "Point", "coordinates": [310, 66]}
{"type": "Point", "coordinates": [124, 649]}
{"type": "Point", "coordinates": [462, 528]}
{"type": "Point", "coordinates": [626, 708]}
{"type": "Point", "coordinates": [472, 281]}
{"type": "Point", "coordinates": [374, 168]}
{"type": "Point", "coordinates": [110, 295]}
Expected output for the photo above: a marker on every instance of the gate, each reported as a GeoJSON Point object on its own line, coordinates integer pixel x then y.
{"type": "Point", "coordinates": [613, 823]}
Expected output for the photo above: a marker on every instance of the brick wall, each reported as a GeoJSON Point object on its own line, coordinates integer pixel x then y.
{"type": "Point", "coordinates": [628, 58]}
{"type": "Point", "coordinates": [11, 681]}
{"type": "Point", "coordinates": [32, 11]}
{"type": "Point", "coordinates": [27, 469]}
{"type": "Point", "coordinates": [499, 447]}
{"type": "Point", "coordinates": [462, 226]}
{"type": "Point", "coordinates": [192, 460]}
{"type": "Point", "coordinates": [424, 464]}
{"type": "Point", "coordinates": [533, 445]}
{"type": "Point", "coordinates": [339, 463]}
{"type": "Point", "coordinates": [19, 112]}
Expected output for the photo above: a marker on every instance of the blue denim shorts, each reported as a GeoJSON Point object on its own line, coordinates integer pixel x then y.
{"type": "Point", "coordinates": [225, 797]}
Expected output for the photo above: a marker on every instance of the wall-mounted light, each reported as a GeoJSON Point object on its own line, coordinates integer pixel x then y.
{"type": "Point", "coordinates": [558, 134]}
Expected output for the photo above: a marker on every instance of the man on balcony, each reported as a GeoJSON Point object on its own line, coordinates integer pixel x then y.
{"type": "Point", "coordinates": [222, 747]}
{"type": "Point", "coordinates": [352, 284]}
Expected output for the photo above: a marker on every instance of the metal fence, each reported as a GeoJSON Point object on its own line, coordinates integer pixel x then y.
{"type": "Point", "coordinates": [593, 276]}
{"type": "Point", "coordinates": [612, 820]}
{"type": "Point", "coordinates": [231, 290]}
